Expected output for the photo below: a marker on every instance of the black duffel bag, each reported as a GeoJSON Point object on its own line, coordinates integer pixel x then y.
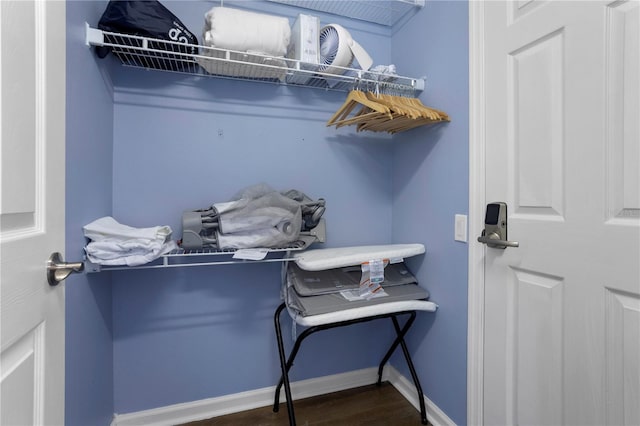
{"type": "Point", "coordinates": [147, 18]}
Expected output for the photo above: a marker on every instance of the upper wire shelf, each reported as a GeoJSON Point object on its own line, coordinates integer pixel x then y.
{"type": "Point", "coordinates": [164, 55]}
{"type": "Point", "coordinates": [383, 12]}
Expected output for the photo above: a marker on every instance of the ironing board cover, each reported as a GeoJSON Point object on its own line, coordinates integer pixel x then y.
{"type": "Point", "coordinates": [335, 302]}
{"type": "Point", "coordinates": [314, 283]}
{"type": "Point", "coordinates": [320, 259]}
{"type": "Point", "coordinates": [363, 312]}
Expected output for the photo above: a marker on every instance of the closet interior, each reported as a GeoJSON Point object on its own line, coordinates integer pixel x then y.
{"type": "Point", "coordinates": [185, 127]}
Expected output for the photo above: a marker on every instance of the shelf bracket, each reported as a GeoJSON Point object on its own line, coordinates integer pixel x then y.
{"type": "Point", "coordinates": [93, 36]}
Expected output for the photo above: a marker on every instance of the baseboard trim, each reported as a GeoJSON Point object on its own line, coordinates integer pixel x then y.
{"type": "Point", "coordinates": [435, 415]}
{"type": "Point", "coordinates": [214, 407]}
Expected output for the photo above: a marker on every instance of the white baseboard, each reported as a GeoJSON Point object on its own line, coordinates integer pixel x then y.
{"type": "Point", "coordinates": [435, 415]}
{"type": "Point", "coordinates": [214, 407]}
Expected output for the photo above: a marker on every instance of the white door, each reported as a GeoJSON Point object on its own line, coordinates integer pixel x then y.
{"type": "Point", "coordinates": [32, 141]}
{"type": "Point", "coordinates": [562, 311]}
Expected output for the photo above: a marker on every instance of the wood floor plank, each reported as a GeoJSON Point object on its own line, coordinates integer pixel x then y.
{"type": "Point", "coordinates": [368, 405]}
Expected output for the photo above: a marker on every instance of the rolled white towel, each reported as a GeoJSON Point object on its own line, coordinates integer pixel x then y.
{"type": "Point", "coordinates": [234, 29]}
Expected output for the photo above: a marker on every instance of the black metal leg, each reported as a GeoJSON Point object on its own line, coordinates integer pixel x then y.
{"type": "Point", "coordinates": [286, 364]}
{"type": "Point", "coordinates": [285, 376]}
{"type": "Point", "coordinates": [276, 320]}
{"type": "Point", "coordinates": [414, 375]}
{"type": "Point", "coordinates": [292, 355]}
{"type": "Point", "coordinates": [396, 342]}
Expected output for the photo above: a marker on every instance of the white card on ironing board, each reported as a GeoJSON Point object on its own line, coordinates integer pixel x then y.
{"type": "Point", "coordinates": [321, 259]}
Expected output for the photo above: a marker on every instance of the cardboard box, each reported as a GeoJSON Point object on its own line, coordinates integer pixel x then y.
{"type": "Point", "coordinates": [304, 46]}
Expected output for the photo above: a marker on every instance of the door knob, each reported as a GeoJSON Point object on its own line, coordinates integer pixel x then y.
{"type": "Point", "coordinates": [493, 240]}
{"type": "Point", "coordinates": [58, 269]}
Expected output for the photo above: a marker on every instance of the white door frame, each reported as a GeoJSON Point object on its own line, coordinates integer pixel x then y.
{"type": "Point", "coordinates": [477, 202]}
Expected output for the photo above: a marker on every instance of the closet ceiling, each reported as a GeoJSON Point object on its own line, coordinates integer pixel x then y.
{"type": "Point", "coordinates": [383, 12]}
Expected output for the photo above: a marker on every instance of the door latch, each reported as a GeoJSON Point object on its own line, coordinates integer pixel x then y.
{"type": "Point", "coordinates": [494, 234]}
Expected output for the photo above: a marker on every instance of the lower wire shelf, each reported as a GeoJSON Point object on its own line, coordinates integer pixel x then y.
{"type": "Point", "coordinates": [181, 258]}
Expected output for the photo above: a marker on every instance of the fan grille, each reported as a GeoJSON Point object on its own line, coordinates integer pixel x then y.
{"type": "Point", "coordinates": [329, 41]}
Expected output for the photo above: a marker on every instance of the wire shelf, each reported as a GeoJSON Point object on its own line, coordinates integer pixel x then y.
{"type": "Point", "coordinates": [181, 258]}
{"type": "Point", "coordinates": [383, 12]}
{"type": "Point", "coordinates": [169, 56]}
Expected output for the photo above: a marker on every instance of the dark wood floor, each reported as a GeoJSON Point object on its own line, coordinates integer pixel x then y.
{"type": "Point", "coordinates": [368, 405]}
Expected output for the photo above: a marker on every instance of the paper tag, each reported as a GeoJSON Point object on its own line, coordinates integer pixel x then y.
{"type": "Point", "coordinates": [251, 254]}
{"type": "Point", "coordinates": [376, 271]}
{"type": "Point", "coordinates": [354, 295]}
{"type": "Point", "coordinates": [351, 295]}
{"type": "Point", "coordinates": [372, 276]}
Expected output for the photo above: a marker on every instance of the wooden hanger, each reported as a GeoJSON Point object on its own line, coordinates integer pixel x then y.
{"type": "Point", "coordinates": [364, 115]}
{"type": "Point", "coordinates": [355, 98]}
{"type": "Point", "coordinates": [384, 113]}
{"type": "Point", "coordinates": [401, 122]}
{"type": "Point", "coordinates": [394, 105]}
{"type": "Point", "coordinates": [398, 123]}
{"type": "Point", "coordinates": [433, 113]}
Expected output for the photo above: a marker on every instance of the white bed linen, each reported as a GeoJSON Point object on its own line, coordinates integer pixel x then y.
{"type": "Point", "coordinates": [363, 312]}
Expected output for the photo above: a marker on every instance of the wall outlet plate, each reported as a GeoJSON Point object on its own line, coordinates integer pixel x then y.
{"type": "Point", "coordinates": [460, 233]}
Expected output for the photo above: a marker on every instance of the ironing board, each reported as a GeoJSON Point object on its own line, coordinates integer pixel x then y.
{"type": "Point", "coordinates": [340, 257]}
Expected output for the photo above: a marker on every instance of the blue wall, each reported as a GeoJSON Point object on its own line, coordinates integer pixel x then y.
{"type": "Point", "coordinates": [430, 186]}
{"type": "Point", "coordinates": [89, 116]}
{"type": "Point", "coordinates": [167, 143]}
{"type": "Point", "coordinates": [189, 332]}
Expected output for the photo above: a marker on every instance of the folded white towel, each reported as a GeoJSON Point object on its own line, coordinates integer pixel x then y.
{"type": "Point", "coordinates": [131, 252]}
{"type": "Point", "coordinates": [108, 227]}
{"type": "Point", "coordinates": [113, 243]}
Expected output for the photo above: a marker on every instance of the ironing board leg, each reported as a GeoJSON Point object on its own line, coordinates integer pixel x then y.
{"type": "Point", "coordinates": [289, 362]}
{"type": "Point", "coordinates": [396, 342]}
{"type": "Point", "coordinates": [283, 366]}
{"type": "Point", "coordinates": [407, 356]}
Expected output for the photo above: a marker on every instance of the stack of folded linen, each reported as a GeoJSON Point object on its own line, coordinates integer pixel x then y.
{"type": "Point", "coordinates": [115, 244]}
{"type": "Point", "coordinates": [252, 37]}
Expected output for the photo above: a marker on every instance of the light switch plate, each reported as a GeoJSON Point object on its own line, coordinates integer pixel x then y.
{"type": "Point", "coordinates": [460, 233]}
